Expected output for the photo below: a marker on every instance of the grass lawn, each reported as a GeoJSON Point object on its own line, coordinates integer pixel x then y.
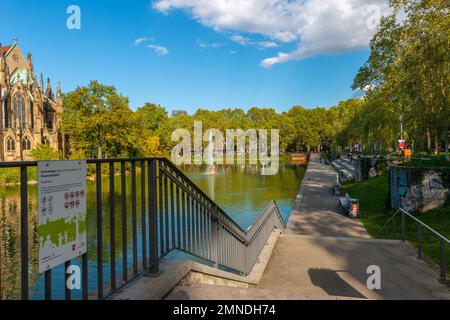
{"type": "Point", "coordinates": [372, 196]}
{"type": "Point", "coordinates": [427, 162]}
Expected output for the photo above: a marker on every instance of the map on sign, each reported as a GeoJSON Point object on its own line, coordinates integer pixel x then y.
{"type": "Point", "coordinates": [62, 225]}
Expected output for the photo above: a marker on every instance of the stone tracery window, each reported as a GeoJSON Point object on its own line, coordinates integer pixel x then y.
{"type": "Point", "coordinates": [19, 111]}
{"type": "Point", "coordinates": [10, 145]}
{"type": "Point", "coordinates": [26, 144]}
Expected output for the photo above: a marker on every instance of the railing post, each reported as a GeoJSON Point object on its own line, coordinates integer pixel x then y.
{"type": "Point", "coordinates": [134, 217]}
{"type": "Point", "coordinates": [112, 226]}
{"type": "Point", "coordinates": [48, 285]}
{"type": "Point", "coordinates": [99, 232]}
{"type": "Point", "coordinates": [215, 242]}
{"type": "Point", "coordinates": [442, 258]}
{"type": "Point", "coordinates": [394, 231]}
{"type": "Point", "coordinates": [419, 241]}
{"type": "Point", "coordinates": [123, 178]}
{"type": "Point", "coordinates": [403, 227]}
{"type": "Point", "coordinates": [143, 222]}
{"type": "Point", "coordinates": [24, 231]}
{"type": "Point", "coordinates": [84, 280]}
{"type": "Point", "coordinates": [67, 292]}
{"type": "Point", "coordinates": [153, 230]}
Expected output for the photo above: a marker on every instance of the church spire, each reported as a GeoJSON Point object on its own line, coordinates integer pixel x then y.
{"type": "Point", "coordinates": [42, 84]}
{"type": "Point", "coordinates": [48, 91]}
{"type": "Point", "coordinates": [1, 57]}
{"type": "Point", "coordinates": [4, 74]}
{"type": "Point", "coordinates": [59, 97]}
{"type": "Point", "coordinates": [30, 63]}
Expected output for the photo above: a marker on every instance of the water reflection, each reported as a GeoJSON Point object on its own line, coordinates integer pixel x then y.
{"type": "Point", "coordinates": [240, 190]}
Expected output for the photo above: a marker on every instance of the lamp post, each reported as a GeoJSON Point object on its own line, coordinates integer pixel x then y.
{"type": "Point", "coordinates": [401, 127]}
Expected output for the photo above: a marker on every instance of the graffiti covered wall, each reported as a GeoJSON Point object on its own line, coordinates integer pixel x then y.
{"type": "Point", "coordinates": [369, 167]}
{"type": "Point", "coordinates": [415, 189]}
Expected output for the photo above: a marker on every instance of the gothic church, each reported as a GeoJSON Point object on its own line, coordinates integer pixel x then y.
{"type": "Point", "coordinates": [29, 113]}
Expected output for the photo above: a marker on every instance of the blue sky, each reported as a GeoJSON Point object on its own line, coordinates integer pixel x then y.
{"type": "Point", "coordinates": [205, 66]}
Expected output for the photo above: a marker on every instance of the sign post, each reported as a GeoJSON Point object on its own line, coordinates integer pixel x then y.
{"type": "Point", "coordinates": [62, 227]}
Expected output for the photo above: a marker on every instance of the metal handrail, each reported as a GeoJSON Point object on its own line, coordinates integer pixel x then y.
{"type": "Point", "coordinates": [416, 220]}
{"type": "Point", "coordinates": [243, 246]}
{"type": "Point", "coordinates": [228, 220]}
{"type": "Point", "coordinates": [442, 239]}
{"type": "Point", "coordinates": [180, 216]}
{"type": "Point", "coordinates": [245, 235]}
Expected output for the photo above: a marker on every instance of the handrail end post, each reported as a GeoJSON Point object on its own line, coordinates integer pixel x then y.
{"type": "Point", "coordinates": [403, 227]}
{"type": "Point", "coordinates": [442, 260]}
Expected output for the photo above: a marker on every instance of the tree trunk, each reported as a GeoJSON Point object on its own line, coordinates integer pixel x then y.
{"type": "Point", "coordinates": [436, 144]}
{"type": "Point", "coordinates": [447, 146]}
{"type": "Point", "coordinates": [428, 141]}
{"type": "Point", "coordinates": [100, 151]}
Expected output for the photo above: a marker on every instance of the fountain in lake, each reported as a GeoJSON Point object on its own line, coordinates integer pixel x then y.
{"type": "Point", "coordinates": [211, 167]}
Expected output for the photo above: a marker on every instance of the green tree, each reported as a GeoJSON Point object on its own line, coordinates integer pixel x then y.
{"type": "Point", "coordinates": [408, 72]}
{"type": "Point", "coordinates": [44, 152]}
{"type": "Point", "coordinates": [99, 121]}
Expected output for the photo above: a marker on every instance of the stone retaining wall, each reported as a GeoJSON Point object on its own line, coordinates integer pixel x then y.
{"type": "Point", "coordinates": [420, 189]}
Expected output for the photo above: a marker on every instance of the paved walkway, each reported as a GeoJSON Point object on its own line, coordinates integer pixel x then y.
{"type": "Point", "coordinates": [325, 255]}
{"type": "Point", "coordinates": [316, 211]}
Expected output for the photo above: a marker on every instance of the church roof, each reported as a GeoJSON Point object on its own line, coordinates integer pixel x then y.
{"type": "Point", "coordinates": [5, 49]}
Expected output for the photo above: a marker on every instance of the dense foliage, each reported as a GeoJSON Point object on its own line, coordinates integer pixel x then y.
{"type": "Point", "coordinates": [100, 123]}
{"type": "Point", "coordinates": [407, 74]}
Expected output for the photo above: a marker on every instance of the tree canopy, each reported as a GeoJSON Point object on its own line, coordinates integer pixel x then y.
{"type": "Point", "coordinates": [407, 75]}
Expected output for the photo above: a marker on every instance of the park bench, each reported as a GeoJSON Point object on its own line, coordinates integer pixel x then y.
{"type": "Point", "coordinates": [337, 187]}
{"type": "Point", "coordinates": [345, 202]}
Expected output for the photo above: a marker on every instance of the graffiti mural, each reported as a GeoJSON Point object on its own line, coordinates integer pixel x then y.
{"type": "Point", "coordinates": [369, 167]}
{"type": "Point", "coordinates": [415, 189]}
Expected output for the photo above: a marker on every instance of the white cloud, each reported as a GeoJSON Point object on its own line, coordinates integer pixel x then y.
{"type": "Point", "coordinates": [316, 26]}
{"type": "Point", "coordinates": [240, 39]}
{"type": "Point", "coordinates": [258, 44]}
{"type": "Point", "coordinates": [214, 45]}
{"type": "Point", "coordinates": [160, 50]}
{"type": "Point", "coordinates": [141, 40]}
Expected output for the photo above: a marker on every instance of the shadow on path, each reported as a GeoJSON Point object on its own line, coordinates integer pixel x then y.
{"type": "Point", "coordinates": [330, 282]}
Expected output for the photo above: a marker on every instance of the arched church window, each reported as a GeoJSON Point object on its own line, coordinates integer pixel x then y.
{"type": "Point", "coordinates": [19, 110]}
{"type": "Point", "coordinates": [32, 114]}
{"type": "Point", "coordinates": [6, 115]}
{"type": "Point", "coordinates": [10, 145]}
{"type": "Point", "coordinates": [48, 116]}
{"type": "Point", "coordinates": [45, 141]}
{"type": "Point", "coordinates": [26, 144]}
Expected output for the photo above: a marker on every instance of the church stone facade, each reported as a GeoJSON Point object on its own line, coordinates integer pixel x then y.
{"type": "Point", "coordinates": [30, 114]}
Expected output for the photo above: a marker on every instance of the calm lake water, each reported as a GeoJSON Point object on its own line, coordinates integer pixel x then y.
{"type": "Point", "coordinates": [240, 190]}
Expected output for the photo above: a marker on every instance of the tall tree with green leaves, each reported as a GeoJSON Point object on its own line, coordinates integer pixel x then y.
{"type": "Point", "coordinates": [99, 121]}
{"type": "Point", "coordinates": [408, 71]}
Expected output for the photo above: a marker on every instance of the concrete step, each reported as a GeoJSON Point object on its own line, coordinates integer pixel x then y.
{"type": "Point", "coordinates": [210, 292]}
{"type": "Point", "coordinates": [338, 267]}
{"type": "Point", "coordinates": [345, 168]}
{"type": "Point", "coordinates": [331, 268]}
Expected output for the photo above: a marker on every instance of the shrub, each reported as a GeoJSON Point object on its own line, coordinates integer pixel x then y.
{"type": "Point", "coordinates": [44, 152]}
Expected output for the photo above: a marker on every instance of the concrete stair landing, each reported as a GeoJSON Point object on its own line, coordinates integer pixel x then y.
{"type": "Point", "coordinates": [345, 168]}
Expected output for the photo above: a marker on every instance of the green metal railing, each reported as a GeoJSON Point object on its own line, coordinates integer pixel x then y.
{"type": "Point", "coordinates": [390, 230]}
{"type": "Point", "coordinates": [179, 217]}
